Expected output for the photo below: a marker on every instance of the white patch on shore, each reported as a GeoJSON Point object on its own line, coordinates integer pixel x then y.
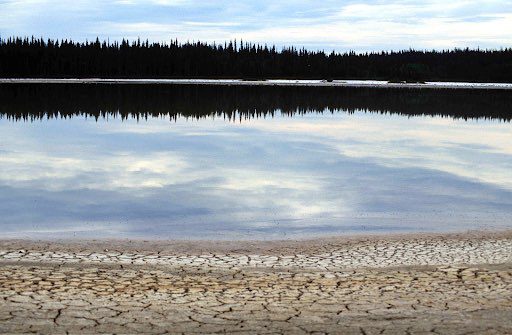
{"type": "Point", "coordinates": [273, 82]}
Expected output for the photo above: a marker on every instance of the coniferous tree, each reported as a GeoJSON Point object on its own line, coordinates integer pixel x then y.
{"type": "Point", "coordinates": [38, 58]}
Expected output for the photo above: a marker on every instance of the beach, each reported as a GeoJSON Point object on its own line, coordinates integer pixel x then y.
{"type": "Point", "coordinates": [380, 284]}
{"type": "Point", "coordinates": [268, 82]}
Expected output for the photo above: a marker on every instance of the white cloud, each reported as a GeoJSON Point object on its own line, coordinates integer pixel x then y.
{"type": "Point", "coordinates": [153, 2]}
{"type": "Point", "coordinates": [361, 25]}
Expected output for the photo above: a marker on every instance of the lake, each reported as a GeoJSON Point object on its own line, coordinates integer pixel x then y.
{"type": "Point", "coordinates": [226, 162]}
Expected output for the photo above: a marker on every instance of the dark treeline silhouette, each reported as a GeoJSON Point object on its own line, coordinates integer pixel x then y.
{"type": "Point", "coordinates": [38, 58]}
{"type": "Point", "coordinates": [41, 101]}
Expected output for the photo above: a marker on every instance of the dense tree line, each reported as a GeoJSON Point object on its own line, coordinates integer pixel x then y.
{"type": "Point", "coordinates": [42, 101]}
{"type": "Point", "coordinates": [30, 57]}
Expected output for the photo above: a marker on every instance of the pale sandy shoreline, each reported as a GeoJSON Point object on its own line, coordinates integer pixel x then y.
{"type": "Point", "coordinates": [271, 246]}
{"type": "Point", "coordinates": [323, 254]}
{"type": "Point", "coordinates": [276, 82]}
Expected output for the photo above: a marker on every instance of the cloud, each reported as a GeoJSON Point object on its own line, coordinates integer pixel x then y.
{"type": "Point", "coordinates": [172, 3]}
{"type": "Point", "coordinates": [359, 25]}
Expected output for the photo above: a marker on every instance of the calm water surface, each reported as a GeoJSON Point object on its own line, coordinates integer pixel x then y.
{"type": "Point", "coordinates": [318, 172]}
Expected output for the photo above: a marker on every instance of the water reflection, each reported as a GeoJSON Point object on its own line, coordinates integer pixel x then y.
{"type": "Point", "coordinates": [37, 101]}
{"type": "Point", "coordinates": [262, 178]}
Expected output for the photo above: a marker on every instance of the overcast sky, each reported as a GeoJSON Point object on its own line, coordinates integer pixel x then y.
{"type": "Point", "coordinates": [361, 25]}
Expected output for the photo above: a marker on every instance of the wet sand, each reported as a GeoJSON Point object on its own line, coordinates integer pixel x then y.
{"type": "Point", "coordinates": [410, 284]}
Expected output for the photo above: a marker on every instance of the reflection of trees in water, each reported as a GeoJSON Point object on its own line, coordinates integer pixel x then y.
{"type": "Point", "coordinates": [37, 101]}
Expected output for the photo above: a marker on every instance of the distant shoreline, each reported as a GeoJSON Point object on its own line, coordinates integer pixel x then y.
{"type": "Point", "coordinates": [270, 82]}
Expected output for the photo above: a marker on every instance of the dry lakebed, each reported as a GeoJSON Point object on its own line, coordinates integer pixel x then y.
{"type": "Point", "coordinates": [395, 284]}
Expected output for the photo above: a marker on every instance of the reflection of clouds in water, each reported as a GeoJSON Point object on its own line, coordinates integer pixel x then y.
{"type": "Point", "coordinates": [474, 149]}
{"type": "Point", "coordinates": [393, 197]}
{"type": "Point", "coordinates": [106, 172]}
{"type": "Point", "coordinates": [286, 174]}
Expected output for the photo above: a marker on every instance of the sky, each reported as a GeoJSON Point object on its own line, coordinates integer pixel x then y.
{"type": "Point", "coordinates": [360, 25]}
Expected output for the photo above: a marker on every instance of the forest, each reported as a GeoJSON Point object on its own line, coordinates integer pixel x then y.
{"type": "Point", "coordinates": [30, 102]}
{"type": "Point", "coordinates": [40, 58]}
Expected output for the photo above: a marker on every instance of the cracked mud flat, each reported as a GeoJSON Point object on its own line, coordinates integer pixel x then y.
{"type": "Point", "coordinates": [411, 284]}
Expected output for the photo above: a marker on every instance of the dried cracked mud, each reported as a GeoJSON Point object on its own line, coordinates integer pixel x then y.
{"type": "Point", "coordinates": [412, 284]}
